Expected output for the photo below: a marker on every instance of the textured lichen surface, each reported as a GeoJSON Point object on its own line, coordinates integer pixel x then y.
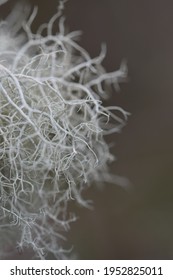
{"type": "Point", "coordinates": [52, 127]}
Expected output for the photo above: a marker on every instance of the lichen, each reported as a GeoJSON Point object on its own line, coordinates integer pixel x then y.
{"type": "Point", "coordinates": [52, 127]}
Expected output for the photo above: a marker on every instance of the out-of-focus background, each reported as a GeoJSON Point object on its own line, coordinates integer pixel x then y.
{"type": "Point", "coordinates": [138, 223]}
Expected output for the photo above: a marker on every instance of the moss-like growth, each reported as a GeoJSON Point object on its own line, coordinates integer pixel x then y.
{"type": "Point", "coordinates": [52, 127]}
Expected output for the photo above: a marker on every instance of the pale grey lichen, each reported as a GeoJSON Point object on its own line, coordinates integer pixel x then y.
{"type": "Point", "coordinates": [52, 127]}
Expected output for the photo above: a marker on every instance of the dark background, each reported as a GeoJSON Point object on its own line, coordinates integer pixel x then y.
{"type": "Point", "coordinates": [134, 224]}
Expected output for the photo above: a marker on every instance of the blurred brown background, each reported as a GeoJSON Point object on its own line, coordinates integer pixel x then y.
{"type": "Point", "coordinates": [134, 224]}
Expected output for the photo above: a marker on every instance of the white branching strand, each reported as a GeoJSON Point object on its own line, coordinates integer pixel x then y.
{"type": "Point", "coordinates": [52, 127]}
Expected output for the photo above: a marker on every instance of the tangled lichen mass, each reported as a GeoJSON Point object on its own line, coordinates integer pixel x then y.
{"type": "Point", "coordinates": [52, 127]}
